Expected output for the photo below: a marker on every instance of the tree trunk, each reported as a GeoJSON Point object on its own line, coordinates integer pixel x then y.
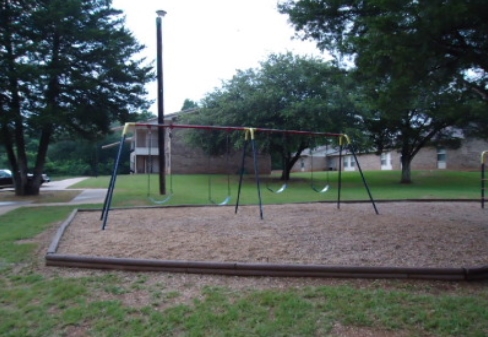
{"type": "Point", "coordinates": [25, 186]}
{"type": "Point", "coordinates": [406, 171]}
{"type": "Point", "coordinates": [16, 154]}
{"type": "Point", "coordinates": [289, 160]}
{"type": "Point", "coordinates": [28, 187]}
{"type": "Point", "coordinates": [285, 174]}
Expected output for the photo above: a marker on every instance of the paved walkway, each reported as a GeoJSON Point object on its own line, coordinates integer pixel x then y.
{"type": "Point", "coordinates": [87, 196]}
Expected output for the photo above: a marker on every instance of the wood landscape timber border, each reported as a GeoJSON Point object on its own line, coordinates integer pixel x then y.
{"type": "Point", "coordinates": [54, 259]}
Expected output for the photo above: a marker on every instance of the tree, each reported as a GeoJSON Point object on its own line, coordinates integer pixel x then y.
{"type": "Point", "coordinates": [425, 117]}
{"type": "Point", "coordinates": [287, 92]}
{"type": "Point", "coordinates": [419, 62]}
{"type": "Point", "coordinates": [68, 68]}
{"type": "Point", "coordinates": [189, 104]}
{"type": "Point", "coordinates": [90, 157]}
{"type": "Point", "coordinates": [86, 157]}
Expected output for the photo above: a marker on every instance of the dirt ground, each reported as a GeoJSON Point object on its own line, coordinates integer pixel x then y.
{"type": "Point", "coordinates": [404, 234]}
{"type": "Point", "coordinates": [420, 234]}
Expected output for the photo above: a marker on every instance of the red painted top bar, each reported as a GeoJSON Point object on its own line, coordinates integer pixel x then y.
{"type": "Point", "coordinates": [238, 128]}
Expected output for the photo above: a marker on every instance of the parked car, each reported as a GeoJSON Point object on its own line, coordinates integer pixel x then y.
{"type": "Point", "coordinates": [7, 179]}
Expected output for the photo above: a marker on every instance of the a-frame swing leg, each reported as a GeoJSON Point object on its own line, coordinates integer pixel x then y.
{"type": "Point", "coordinates": [250, 137]}
{"type": "Point", "coordinates": [483, 179]}
{"type": "Point", "coordinates": [241, 174]}
{"type": "Point", "coordinates": [110, 190]}
{"type": "Point", "coordinates": [256, 175]}
{"type": "Point", "coordinates": [363, 178]}
{"type": "Point", "coordinates": [482, 185]}
{"type": "Point", "coordinates": [339, 178]}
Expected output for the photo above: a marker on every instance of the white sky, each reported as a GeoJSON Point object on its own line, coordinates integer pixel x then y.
{"type": "Point", "coordinates": [206, 41]}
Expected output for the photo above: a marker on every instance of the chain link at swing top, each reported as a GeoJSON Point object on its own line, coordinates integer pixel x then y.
{"type": "Point", "coordinates": [149, 171]}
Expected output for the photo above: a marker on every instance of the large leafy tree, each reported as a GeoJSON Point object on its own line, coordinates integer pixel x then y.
{"type": "Point", "coordinates": [90, 156]}
{"type": "Point", "coordinates": [68, 67]}
{"type": "Point", "coordinates": [419, 62]}
{"type": "Point", "coordinates": [287, 92]}
{"type": "Point", "coordinates": [188, 104]}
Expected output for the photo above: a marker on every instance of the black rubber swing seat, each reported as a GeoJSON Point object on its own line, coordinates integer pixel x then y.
{"type": "Point", "coordinates": [162, 201]}
{"type": "Point", "coordinates": [280, 190]}
{"type": "Point", "coordinates": [222, 203]}
{"type": "Point", "coordinates": [323, 190]}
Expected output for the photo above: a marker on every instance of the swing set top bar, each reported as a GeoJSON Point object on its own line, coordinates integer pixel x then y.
{"type": "Point", "coordinates": [237, 128]}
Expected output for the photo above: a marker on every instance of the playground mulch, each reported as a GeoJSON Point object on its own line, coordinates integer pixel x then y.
{"type": "Point", "coordinates": [404, 234]}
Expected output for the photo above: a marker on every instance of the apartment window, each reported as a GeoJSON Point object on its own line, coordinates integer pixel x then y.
{"type": "Point", "coordinates": [385, 159]}
{"type": "Point", "coordinates": [349, 163]}
{"type": "Point", "coordinates": [441, 158]}
{"type": "Point", "coordinates": [154, 140]}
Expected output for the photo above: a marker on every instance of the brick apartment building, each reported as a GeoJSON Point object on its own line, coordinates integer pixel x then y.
{"type": "Point", "coordinates": [464, 158]}
{"type": "Point", "coordinates": [181, 158]}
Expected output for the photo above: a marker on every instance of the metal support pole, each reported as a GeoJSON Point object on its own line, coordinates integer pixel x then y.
{"type": "Point", "coordinates": [363, 178]}
{"type": "Point", "coordinates": [482, 185]}
{"type": "Point", "coordinates": [483, 179]}
{"type": "Point", "coordinates": [249, 137]}
{"type": "Point", "coordinates": [256, 175]}
{"type": "Point", "coordinates": [241, 175]}
{"type": "Point", "coordinates": [339, 176]}
{"type": "Point", "coordinates": [110, 190]}
{"type": "Point", "coordinates": [161, 131]}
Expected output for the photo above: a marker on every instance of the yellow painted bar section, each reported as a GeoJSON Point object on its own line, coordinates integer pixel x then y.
{"type": "Point", "coordinates": [126, 128]}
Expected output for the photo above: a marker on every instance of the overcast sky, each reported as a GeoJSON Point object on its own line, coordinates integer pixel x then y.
{"type": "Point", "coordinates": [205, 42]}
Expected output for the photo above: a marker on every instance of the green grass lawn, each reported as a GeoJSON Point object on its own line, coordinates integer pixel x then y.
{"type": "Point", "coordinates": [40, 301]}
{"type": "Point", "coordinates": [133, 190]}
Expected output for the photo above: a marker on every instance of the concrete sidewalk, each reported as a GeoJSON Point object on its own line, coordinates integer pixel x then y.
{"type": "Point", "coordinates": [91, 196]}
{"type": "Point", "coordinates": [61, 184]}
{"type": "Point", "coordinates": [87, 196]}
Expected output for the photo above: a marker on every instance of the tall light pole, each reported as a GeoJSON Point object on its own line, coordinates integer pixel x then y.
{"type": "Point", "coordinates": [160, 102]}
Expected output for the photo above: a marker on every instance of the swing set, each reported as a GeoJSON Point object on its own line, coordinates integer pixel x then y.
{"type": "Point", "coordinates": [285, 184]}
{"type": "Point", "coordinates": [249, 139]}
{"type": "Point", "coordinates": [227, 161]}
{"type": "Point", "coordinates": [169, 196]}
{"type": "Point", "coordinates": [313, 183]}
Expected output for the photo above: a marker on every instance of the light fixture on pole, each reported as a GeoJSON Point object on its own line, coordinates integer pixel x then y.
{"type": "Point", "coordinates": [160, 102]}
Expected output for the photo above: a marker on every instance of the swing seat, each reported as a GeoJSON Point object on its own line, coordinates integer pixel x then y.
{"type": "Point", "coordinates": [223, 203]}
{"type": "Point", "coordinates": [160, 202]}
{"type": "Point", "coordinates": [323, 190]}
{"type": "Point", "coordinates": [280, 190]}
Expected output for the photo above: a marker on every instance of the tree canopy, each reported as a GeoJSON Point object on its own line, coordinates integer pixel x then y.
{"type": "Point", "coordinates": [420, 63]}
{"type": "Point", "coordinates": [189, 104]}
{"type": "Point", "coordinates": [449, 36]}
{"type": "Point", "coordinates": [66, 67]}
{"type": "Point", "coordinates": [287, 92]}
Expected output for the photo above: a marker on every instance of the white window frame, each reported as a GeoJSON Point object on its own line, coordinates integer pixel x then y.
{"type": "Point", "coordinates": [441, 158]}
{"type": "Point", "coordinates": [385, 161]}
{"type": "Point", "coordinates": [349, 164]}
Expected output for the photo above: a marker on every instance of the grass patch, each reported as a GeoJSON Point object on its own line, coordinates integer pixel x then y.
{"type": "Point", "coordinates": [33, 303]}
{"type": "Point", "coordinates": [133, 190]}
{"type": "Point", "coordinates": [138, 190]}
{"type": "Point", "coordinates": [23, 224]}
{"type": "Point", "coordinates": [44, 197]}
